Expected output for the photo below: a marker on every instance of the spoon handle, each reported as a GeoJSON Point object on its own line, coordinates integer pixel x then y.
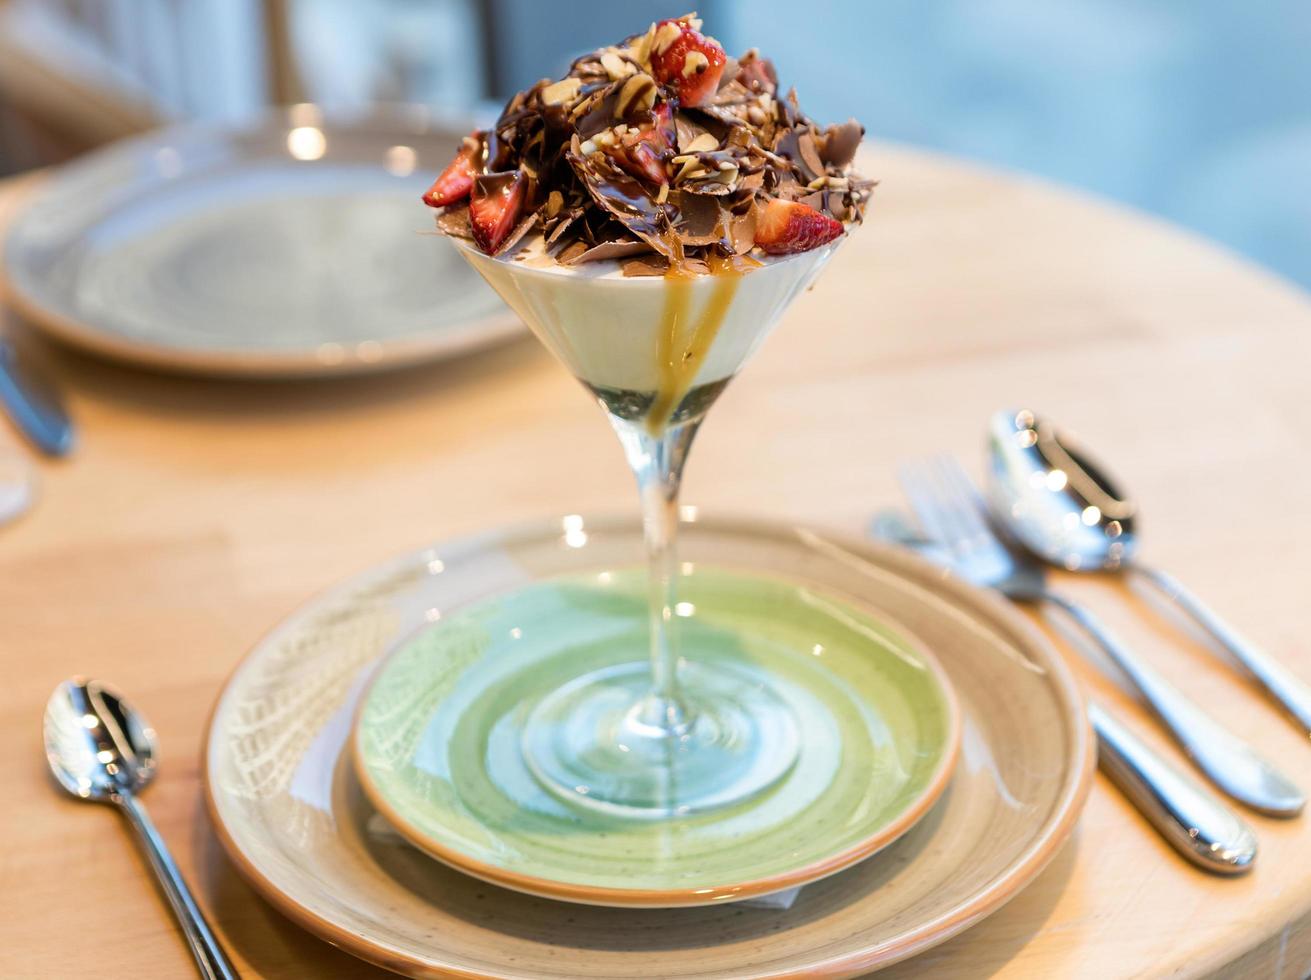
{"type": "Point", "coordinates": [1227, 760]}
{"type": "Point", "coordinates": [1186, 814]}
{"type": "Point", "coordinates": [1281, 683]}
{"type": "Point", "coordinates": [211, 961]}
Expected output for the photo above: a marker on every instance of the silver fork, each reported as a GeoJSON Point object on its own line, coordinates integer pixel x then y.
{"type": "Point", "coordinates": [1185, 812]}
{"type": "Point", "coordinates": [951, 512]}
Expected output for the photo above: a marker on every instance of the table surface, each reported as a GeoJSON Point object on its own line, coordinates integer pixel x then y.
{"type": "Point", "coordinates": [194, 515]}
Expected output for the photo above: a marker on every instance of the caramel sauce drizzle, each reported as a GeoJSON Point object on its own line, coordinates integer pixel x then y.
{"type": "Point", "coordinates": [683, 345]}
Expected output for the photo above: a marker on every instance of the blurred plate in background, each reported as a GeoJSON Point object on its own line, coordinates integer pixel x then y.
{"type": "Point", "coordinates": [295, 245]}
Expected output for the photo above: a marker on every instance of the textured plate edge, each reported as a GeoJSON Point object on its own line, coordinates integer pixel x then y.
{"type": "Point", "coordinates": [1056, 833]}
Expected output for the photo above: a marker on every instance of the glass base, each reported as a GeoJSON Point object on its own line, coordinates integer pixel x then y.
{"type": "Point", "coordinates": [602, 742]}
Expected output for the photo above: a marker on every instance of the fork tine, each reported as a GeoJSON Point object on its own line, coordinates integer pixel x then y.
{"type": "Point", "coordinates": [956, 515]}
{"type": "Point", "coordinates": [920, 489]}
{"type": "Point", "coordinates": [951, 510]}
{"type": "Point", "coordinates": [968, 504]}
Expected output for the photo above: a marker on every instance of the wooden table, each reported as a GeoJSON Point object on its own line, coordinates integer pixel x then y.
{"type": "Point", "coordinates": [195, 514]}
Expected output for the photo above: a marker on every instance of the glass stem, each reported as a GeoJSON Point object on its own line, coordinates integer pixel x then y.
{"type": "Point", "coordinates": [657, 462]}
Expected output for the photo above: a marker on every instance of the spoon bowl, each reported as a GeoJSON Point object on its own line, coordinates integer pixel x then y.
{"type": "Point", "coordinates": [98, 746]}
{"type": "Point", "coordinates": [1054, 498]}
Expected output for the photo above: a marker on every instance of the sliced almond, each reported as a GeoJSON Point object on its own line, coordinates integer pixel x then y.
{"type": "Point", "coordinates": [638, 94]}
{"type": "Point", "coordinates": [702, 143]}
{"type": "Point", "coordinates": [665, 35]}
{"type": "Point", "coordinates": [554, 202]}
{"type": "Point", "coordinates": [691, 167]}
{"type": "Point", "coordinates": [565, 90]}
{"type": "Point", "coordinates": [694, 64]}
{"type": "Point", "coordinates": [640, 50]}
{"type": "Point", "coordinates": [615, 66]}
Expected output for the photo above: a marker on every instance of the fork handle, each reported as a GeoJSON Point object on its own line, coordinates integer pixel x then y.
{"type": "Point", "coordinates": [1281, 683]}
{"type": "Point", "coordinates": [1185, 812]}
{"type": "Point", "coordinates": [1227, 760]}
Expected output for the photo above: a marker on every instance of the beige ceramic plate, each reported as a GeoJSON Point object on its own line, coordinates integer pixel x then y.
{"type": "Point", "coordinates": [291, 245]}
{"type": "Point", "coordinates": [290, 811]}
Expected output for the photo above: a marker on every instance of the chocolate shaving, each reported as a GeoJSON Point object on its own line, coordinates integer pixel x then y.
{"type": "Point", "coordinates": [688, 130]}
{"type": "Point", "coordinates": [625, 199]}
{"type": "Point", "coordinates": [809, 157]}
{"type": "Point", "coordinates": [611, 250]}
{"type": "Point", "coordinates": [837, 147]}
{"type": "Point", "coordinates": [569, 254]}
{"type": "Point", "coordinates": [742, 231]}
{"type": "Point", "coordinates": [646, 265]}
{"type": "Point", "coordinates": [814, 200]}
{"type": "Point", "coordinates": [561, 226]}
{"type": "Point", "coordinates": [522, 228]}
{"type": "Point", "coordinates": [454, 221]}
{"type": "Point", "coordinates": [701, 220]}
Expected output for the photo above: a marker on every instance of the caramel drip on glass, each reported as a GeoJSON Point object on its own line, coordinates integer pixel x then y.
{"type": "Point", "coordinates": [683, 346]}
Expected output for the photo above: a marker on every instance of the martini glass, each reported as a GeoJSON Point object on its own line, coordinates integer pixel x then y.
{"type": "Point", "coordinates": [671, 735]}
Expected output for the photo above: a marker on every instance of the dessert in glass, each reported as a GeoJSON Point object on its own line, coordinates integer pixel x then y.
{"type": "Point", "coordinates": [650, 216]}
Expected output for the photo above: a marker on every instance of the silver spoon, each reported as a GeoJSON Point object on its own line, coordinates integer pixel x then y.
{"type": "Point", "coordinates": [1184, 812]}
{"type": "Point", "coordinates": [1064, 508]}
{"type": "Point", "coordinates": [100, 749]}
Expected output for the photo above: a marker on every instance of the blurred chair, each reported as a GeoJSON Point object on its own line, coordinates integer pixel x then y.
{"type": "Point", "coordinates": [78, 73]}
{"type": "Point", "coordinates": [61, 89]}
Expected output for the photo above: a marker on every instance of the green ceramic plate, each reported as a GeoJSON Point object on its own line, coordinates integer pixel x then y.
{"type": "Point", "coordinates": [437, 738]}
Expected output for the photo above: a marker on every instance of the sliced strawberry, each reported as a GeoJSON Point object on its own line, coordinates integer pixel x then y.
{"type": "Point", "coordinates": [642, 152]}
{"type": "Point", "coordinates": [785, 227]}
{"type": "Point", "coordinates": [456, 180]}
{"type": "Point", "coordinates": [644, 162]}
{"type": "Point", "coordinates": [690, 63]}
{"type": "Point", "coordinates": [662, 127]}
{"type": "Point", "coordinates": [758, 75]}
{"type": "Point", "coordinates": [495, 206]}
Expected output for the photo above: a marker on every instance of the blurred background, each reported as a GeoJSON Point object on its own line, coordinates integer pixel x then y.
{"type": "Point", "coordinates": [1196, 110]}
